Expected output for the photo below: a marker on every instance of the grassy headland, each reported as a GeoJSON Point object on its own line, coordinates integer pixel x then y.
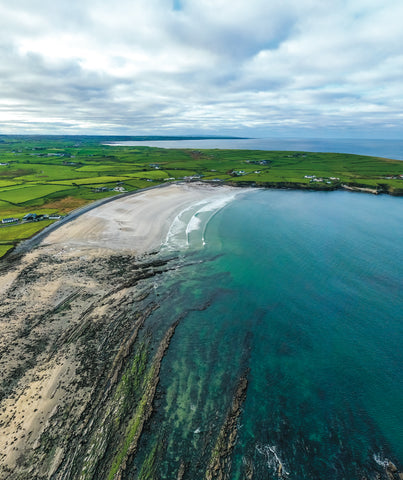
{"type": "Point", "coordinates": [51, 176]}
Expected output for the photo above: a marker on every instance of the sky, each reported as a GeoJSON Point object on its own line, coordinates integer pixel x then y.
{"type": "Point", "coordinates": [263, 68]}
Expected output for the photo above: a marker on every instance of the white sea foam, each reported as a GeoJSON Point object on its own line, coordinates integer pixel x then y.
{"type": "Point", "coordinates": [273, 459]}
{"type": "Point", "coordinates": [194, 224]}
{"type": "Point", "coordinates": [193, 219]}
{"type": "Point", "coordinates": [383, 462]}
{"type": "Point", "coordinates": [176, 237]}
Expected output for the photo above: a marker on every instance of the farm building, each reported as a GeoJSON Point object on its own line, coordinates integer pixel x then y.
{"type": "Point", "coordinates": [10, 220]}
{"type": "Point", "coordinates": [29, 217]}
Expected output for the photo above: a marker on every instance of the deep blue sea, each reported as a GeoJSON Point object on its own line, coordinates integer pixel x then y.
{"type": "Point", "coordinates": [303, 290]}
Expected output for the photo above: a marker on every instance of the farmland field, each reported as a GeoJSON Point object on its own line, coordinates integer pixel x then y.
{"type": "Point", "coordinates": [104, 179]}
{"type": "Point", "coordinates": [19, 232]}
{"type": "Point", "coordinates": [28, 192]}
{"type": "Point", "coordinates": [46, 175]}
{"type": "Point", "coordinates": [5, 248]}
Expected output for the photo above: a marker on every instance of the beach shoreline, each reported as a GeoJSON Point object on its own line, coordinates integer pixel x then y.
{"type": "Point", "coordinates": [136, 224]}
{"type": "Point", "coordinates": [92, 309]}
{"type": "Point", "coordinates": [89, 272]}
{"type": "Point", "coordinates": [26, 245]}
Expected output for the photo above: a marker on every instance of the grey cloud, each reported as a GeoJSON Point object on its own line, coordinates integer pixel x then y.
{"type": "Point", "coordinates": [226, 66]}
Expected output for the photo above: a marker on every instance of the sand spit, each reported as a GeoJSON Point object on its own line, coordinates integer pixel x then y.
{"type": "Point", "coordinates": [71, 317]}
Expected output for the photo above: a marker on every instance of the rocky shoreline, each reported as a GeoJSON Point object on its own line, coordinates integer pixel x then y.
{"type": "Point", "coordinates": [81, 364]}
{"type": "Point", "coordinates": [318, 188]}
{"type": "Point", "coordinates": [71, 330]}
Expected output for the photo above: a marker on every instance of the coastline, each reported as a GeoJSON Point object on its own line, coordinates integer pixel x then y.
{"type": "Point", "coordinates": [78, 323]}
{"type": "Point", "coordinates": [145, 229]}
{"type": "Point", "coordinates": [318, 188]}
{"type": "Point", "coordinates": [156, 207]}
{"type": "Point", "coordinates": [137, 224]}
{"type": "Point", "coordinates": [82, 285]}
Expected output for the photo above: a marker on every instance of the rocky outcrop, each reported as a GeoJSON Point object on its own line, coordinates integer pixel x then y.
{"type": "Point", "coordinates": [358, 188]}
{"type": "Point", "coordinates": [220, 462]}
{"type": "Point", "coordinates": [76, 362]}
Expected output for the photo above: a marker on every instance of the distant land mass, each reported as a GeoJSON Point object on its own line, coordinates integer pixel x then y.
{"type": "Point", "coordinates": [117, 138]}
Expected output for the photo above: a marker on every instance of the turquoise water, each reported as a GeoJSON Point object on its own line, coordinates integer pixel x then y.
{"type": "Point", "coordinates": [305, 290]}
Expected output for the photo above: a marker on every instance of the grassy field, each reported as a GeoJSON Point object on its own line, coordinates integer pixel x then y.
{"type": "Point", "coordinates": [58, 174]}
{"type": "Point", "coordinates": [27, 192]}
{"type": "Point", "coordinates": [5, 248]}
{"type": "Point", "coordinates": [20, 232]}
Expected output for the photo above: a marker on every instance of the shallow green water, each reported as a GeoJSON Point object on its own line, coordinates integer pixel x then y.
{"type": "Point", "coordinates": [305, 290]}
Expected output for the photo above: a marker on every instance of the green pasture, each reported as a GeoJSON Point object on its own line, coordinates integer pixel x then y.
{"type": "Point", "coordinates": [91, 180]}
{"type": "Point", "coordinates": [7, 183]}
{"type": "Point", "coordinates": [20, 232]}
{"type": "Point", "coordinates": [3, 205]}
{"type": "Point", "coordinates": [41, 172]}
{"type": "Point", "coordinates": [180, 173]}
{"type": "Point", "coordinates": [136, 184]}
{"type": "Point", "coordinates": [87, 193]}
{"type": "Point", "coordinates": [152, 174]}
{"type": "Point", "coordinates": [44, 172]}
{"type": "Point", "coordinates": [121, 168]}
{"type": "Point", "coordinates": [28, 192]}
{"type": "Point", "coordinates": [4, 249]}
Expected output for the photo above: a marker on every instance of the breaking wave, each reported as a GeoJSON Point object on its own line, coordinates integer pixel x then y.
{"type": "Point", "coordinates": [189, 226]}
{"type": "Point", "coordinates": [273, 459]}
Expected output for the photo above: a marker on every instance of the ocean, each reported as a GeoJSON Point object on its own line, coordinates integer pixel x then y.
{"type": "Point", "coordinates": [301, 293]}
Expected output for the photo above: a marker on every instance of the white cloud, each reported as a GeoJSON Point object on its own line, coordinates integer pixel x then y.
{"type": "Point", "coordinates": [145, 66]}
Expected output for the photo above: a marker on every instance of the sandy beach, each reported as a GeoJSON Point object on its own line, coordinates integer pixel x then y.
{"type": "Point", "coordinates": [71, 296]}
{"type": "Point", "coordinates": [137, 223]}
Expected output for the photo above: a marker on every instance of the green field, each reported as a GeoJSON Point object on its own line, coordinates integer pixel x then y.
{"type": "Point", "coordinates": [20, 232]}
{"type": "Point", "coordinates": [104, 179]}
{"type": "Point", "coordinates": [28, 192]}
{"type": "Point", "coordinates": [59, 174]}
{"type": "Point", "coordinates": [4, 249]}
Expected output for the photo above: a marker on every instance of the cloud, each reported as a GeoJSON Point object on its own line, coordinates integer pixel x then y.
{"type": "Point", "coordinates": [162, 66]}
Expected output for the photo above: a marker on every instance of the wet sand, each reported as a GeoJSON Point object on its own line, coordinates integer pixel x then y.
{"type": "Point", "coordinates": [76, 288]}
{"type": "Point", "coordinates": [134, 224]}
{"type": "Point", "coordinates": [137, 223]}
